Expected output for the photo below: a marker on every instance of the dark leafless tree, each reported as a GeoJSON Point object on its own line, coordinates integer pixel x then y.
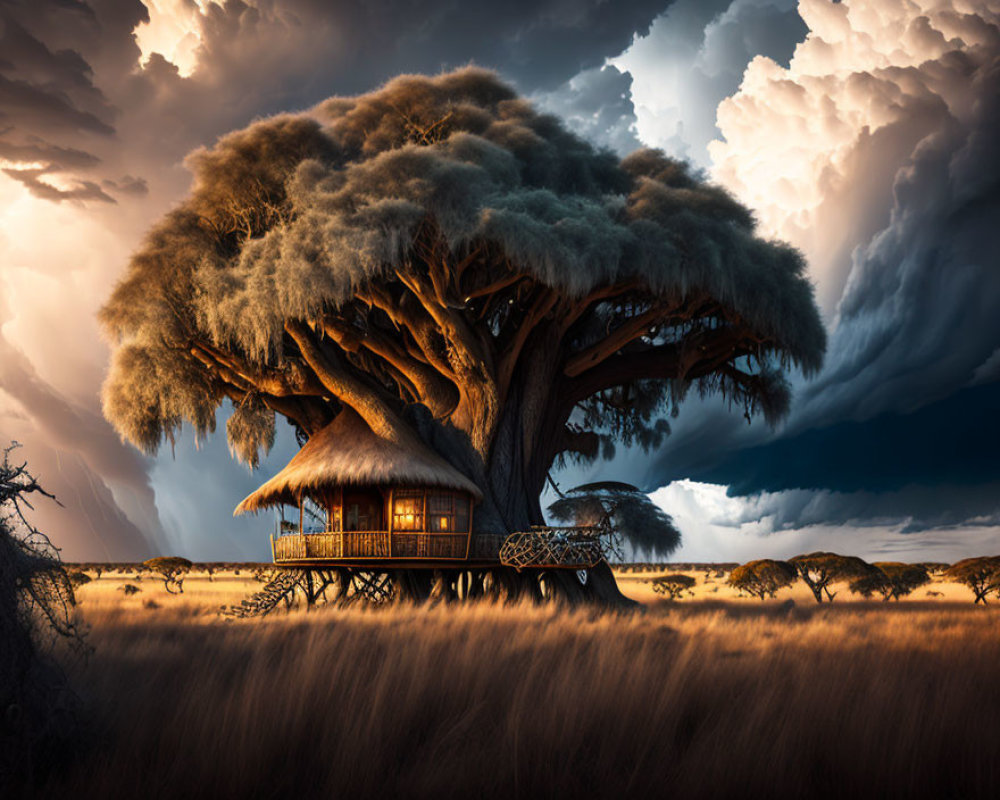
{"type": "Point", "coordinates": [36, 615]}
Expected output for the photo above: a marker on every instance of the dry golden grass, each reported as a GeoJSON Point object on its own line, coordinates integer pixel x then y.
{"type": "Point", "coordinates": [708, 697]}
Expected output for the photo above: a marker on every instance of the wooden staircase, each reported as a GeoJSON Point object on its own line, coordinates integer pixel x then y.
{"type": "Point", "coordinates": [281, 587]}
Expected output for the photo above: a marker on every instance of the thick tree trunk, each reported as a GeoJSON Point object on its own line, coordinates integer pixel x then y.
{"type": "Point", "coordinates": [529, 427]}
{"type": "Point", "coordinates": [509, 462]}
{"type": "Point", "coordinates": [521, 449]}
{"type": "Point", "coordinates": [602, 587]}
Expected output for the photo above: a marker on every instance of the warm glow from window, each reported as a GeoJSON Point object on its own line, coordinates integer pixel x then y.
{"type": "Point", "coordinates": [408, 510]}
{"type": "Point", "coordinates": [443, 523]}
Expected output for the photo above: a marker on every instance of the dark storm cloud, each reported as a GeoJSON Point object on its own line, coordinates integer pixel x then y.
{"type": "Point", "coordinates": [913, 509]}
{"type": "Point", "coordinates": [44, 110]}
{"type": "Point", "coordinates": [537, 44]}
{"type": "Point", "coordinates": [298, 52]}
{"type": "Point", "coordinates": [36, 150]}
{"type": "Point", "coordinates": [597, 105]}
{"type": "Point", "coordinates": [48, 99]}
{"type": "Point", "coordinates": [127, 184]}
{"type": "Point", "coordinates": [32, 180]}
{"type": "Point", "coordinates": [905, 412]}
{"type": "Point", "coordinates": [954, 442]}
{"type": "Point", "coordinates": [69, 71]}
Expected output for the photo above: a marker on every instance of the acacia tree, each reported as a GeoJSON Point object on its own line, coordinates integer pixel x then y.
{"type": "Point", "coordinates": [762, 578]}
{"type": "Point", "coordinates": [443, 259]}
{"type": "Point", "coordinates": [981, 574]}
{"type": "Point", "coordinates": [891, 579]}
{"type": "Point", "coordinates": [623, 510]}
{"type": "Point", "coordinates": [171, 570]}
{"type": "Point", "coordinates": [821, 570]}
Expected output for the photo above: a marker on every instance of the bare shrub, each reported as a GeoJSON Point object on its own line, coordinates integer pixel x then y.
{"type": "Point", "coordinates": [36, 615]}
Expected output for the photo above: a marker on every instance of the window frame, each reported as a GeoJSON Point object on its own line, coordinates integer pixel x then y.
{"type": "Point", "coordinates": [455, 500]}
{"type": "Point", "coordinates": [418, 499]}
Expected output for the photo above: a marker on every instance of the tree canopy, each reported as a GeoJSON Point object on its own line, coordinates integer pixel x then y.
{"type": "Point", "coordinates": [624, 510]}
{"type": "Point", "coordinates": [820, 570]}
{"type": "Point", "coordinates": [171, 570]}
{"type": "Point", "coordinates": [981, 574]}
{"type": "Point", "coordinates": [762, 578]}
{"type": "Point", "coordinates": [441, 257]}
{"type": "Point", "coordinates": [891, 579]}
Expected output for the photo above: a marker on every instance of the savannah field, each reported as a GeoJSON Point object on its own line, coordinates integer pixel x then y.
{"type": "Point", "coordinates": [714, 695]}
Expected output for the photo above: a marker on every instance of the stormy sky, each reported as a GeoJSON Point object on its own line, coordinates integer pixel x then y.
{"type": "Point", "coordinates": [863, 132]}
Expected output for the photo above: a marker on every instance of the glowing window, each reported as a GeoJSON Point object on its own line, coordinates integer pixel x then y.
{"type": "Point", "coordinates": [408, 510]}
{"type": "Point", "coordinates": [448, 512]}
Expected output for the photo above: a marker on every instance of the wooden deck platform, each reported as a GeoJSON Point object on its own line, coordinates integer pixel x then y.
{"type": "Point", "coordinates": [382, 546]}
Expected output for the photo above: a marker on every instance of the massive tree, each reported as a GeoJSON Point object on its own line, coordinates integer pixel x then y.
{"type": "Point", "coordinates": [442, 258]}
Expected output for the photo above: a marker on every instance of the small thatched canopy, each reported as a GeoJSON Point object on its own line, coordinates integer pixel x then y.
{"type": "Point", "coordinates": [347, 453]}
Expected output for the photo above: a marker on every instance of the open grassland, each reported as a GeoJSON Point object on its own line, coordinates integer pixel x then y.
{"type": "Point", "coordinates": [713, 696]}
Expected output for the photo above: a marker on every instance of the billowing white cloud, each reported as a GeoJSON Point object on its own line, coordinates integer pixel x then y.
{"type": "Point", "coordinates": [694, 57]}
{"type": "Point", "coordinates": [174, 31]}
{"type": "Point", "coordinates": [885, 175]}
{"type": "Point", "coordinates": [816, 148]}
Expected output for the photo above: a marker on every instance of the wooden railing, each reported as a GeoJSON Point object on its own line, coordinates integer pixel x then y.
{"type": "Point", "coordinates": [369, 545]}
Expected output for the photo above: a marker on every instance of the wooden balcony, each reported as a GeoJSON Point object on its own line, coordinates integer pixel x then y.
{"type": "Point", "coordinates": [370, 546]}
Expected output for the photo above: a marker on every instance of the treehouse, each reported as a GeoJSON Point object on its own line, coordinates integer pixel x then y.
{"type": "Point", "coordinates": [363, 501]}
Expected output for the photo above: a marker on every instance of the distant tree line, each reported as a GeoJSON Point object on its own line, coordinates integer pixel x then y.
{"type": "Point", "coordinates": [718, 569]}
{"type": "Point", "coordinates": [890, 580]}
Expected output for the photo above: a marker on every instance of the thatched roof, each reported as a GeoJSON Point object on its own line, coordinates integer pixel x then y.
{"type": "Point", "coordinates": [347, 453]}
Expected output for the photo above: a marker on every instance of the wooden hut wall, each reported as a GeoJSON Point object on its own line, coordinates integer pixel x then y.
{"type": "Point", "coordinates": [392, 509]}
